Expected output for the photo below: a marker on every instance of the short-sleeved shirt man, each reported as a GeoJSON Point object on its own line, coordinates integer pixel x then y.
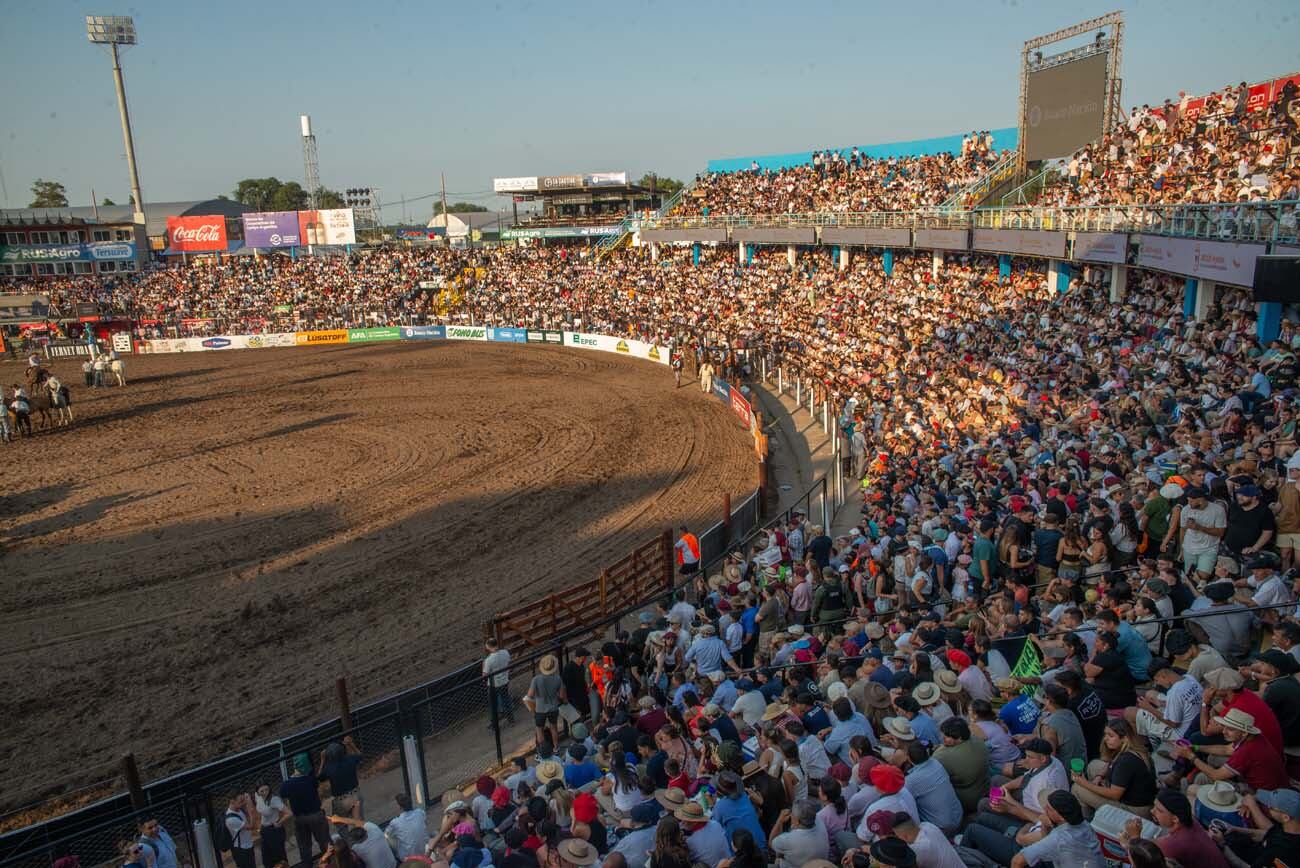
{"type": "Point", "coordinates": [1246, 525]}
{"type": "Point", "coordinates": [983, 552]}
{"type": "Point", "coordinates": [1065, 845]}
{"type": "Point", "coordinates": [798, 847]}
{"type": "Point", "coordinates": [1157, 511]}
{"type": "Point", "coordinates": [1091, 711]}
{"type": "Point", "coordinates": [374, 851]}
{"type": "Point", "coordinates": [1265, 720]}
{"type": "Point", "coordinates": [342, 773]}
{"type": "Point", "coordinates": [1211, 515]}
{"type": "Point", "coordinates": [302, 794]}
{"type": "Point", "coordinates": [1192, 845]}
{"type": "Point", "coordinates": [1183, 704]}
{"type": "Point", "coordinates": [1256, 763]}
{"type": "Point", "coordinates": [1069, 735]}
{"type": "Point", "coordinates": [1020, 715]}
{"type": "Point", "coordinates": [546, 692]}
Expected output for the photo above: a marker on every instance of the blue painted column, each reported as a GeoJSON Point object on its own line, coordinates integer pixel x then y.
{"type": "Point", "coordinates": [887, 261]}
{"type": "Point", "coordinates": [1063, 277]}
{"type": "Point", "coordinates": [835, 253]}
{"type": "Point", "coordinates": [1004, 265]}
{"type": "Point", "coordinates": [749, 254]}
{"type": "Point", "coordinates": [1269, 321]}
{"type": "Point", "coordinates": [695, 253]}
{"type": "Point", "coordinates": [1189, 298]}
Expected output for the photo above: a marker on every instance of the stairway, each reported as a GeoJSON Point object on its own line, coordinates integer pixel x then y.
{"type": "Point", "coordinates": [978, 190]}
{"type": "Point", "coordinates": [623, 237]}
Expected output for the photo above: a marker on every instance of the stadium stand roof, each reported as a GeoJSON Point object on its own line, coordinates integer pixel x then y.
{"type": "Point", "coordinates": [156, 213]}
{"type": "Point", "coordinates": [1002, 139]}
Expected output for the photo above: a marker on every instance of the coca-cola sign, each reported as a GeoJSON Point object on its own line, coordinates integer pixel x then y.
{"type": "Point", "coordinates": [197, 234]}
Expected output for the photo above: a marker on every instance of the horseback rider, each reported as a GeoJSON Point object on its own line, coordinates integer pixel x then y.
{"type": "Point", "coordinates": [22, 410]}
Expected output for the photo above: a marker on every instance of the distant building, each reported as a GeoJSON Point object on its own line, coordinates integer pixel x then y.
{"type": "Point", "coordinates": [459, 227]}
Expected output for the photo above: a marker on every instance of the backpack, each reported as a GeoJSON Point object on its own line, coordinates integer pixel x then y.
{"type": "Point", "coordinates": [221, 836]}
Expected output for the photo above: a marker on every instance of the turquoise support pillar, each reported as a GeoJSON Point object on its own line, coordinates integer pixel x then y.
{"type": "Point", "coordinates": [835, 253]}
{"type": "Point", "coordinates": [1004, 266]}
{"type": "Point", "coordinates": [695, 253]}
{"type": "Point", "coordinates": [887, 261]}
{"type": "Point", "coordinates": [749, 254]}
{"type": "Point", "coordinates": [1269, 321]}
{"type": "Point", "coordinates": [1189, 298]}
{"type": "Point", "coordinates": [1063, 277]}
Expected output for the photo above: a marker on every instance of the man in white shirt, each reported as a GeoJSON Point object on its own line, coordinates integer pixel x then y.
{"type": "Point", "coordinates": [496, 671]}
{"type": "Point", "coordinates": [1203, 524]}
{"type": "Point", "coordinates": [1181, 706]}
{"type": "Point", "coordinates": [408, 832]}
{"type": "Point", "coordinates": [931, 846]}
{"type": "Point", "coordinates": [241, 835]}
{"type": "Point", "coordinates": [1269, 588]}
{"type": "Point", "coordinates": [368, 842]}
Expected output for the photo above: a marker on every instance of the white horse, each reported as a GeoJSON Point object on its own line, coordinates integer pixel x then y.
{"type": "Point", "coordinates": [118, 369]}
{"type": "Point", "coordinates": [59, 401]}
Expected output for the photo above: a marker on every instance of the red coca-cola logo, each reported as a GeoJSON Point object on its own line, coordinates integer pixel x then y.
{"type": "Point", "coordinates": [206, 232]}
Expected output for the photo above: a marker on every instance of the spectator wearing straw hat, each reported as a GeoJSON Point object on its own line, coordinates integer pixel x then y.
{"type": "Point", "coordinates": [545, 696]}
{"type": "Point", "coordinates": [705, 838]}
{"type": "Point", "coordinates": [577, 852]}
{"type": "Point", "coordinates": [1251, 759]}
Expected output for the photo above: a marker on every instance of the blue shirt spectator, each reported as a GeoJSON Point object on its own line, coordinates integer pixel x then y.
{"type": "Point", "coordinates": [1133, 648]}
{"type": "Point", "coordinates": [936, 800]}
{"type": "Point", "coordinates": [924, 727]}
{"type": "Point", "coordinates": [1020, 715]}
{"type": "Point", "coordinates": [724, 694]}
{"type": "Point", "coordinates": [735, 811]}
{"type": "Point", "coordinates": [837, 743]}
{"type": "Point", "coordinates": [708, 653]}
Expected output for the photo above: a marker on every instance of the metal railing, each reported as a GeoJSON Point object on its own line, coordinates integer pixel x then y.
{"type": "Point", "coordinates": [974, 191]}
{"type": "Point", "coordinates": [1020, 195]}
{"type": "Point", "coordinates": [1223, 221]}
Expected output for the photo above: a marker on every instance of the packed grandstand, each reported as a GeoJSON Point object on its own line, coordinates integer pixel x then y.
{"type": "Point", "coordinates": [985, 670]}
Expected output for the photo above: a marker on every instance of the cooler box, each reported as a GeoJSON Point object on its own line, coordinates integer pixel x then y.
{"type": "Point", "coordinates": [1109, 823]}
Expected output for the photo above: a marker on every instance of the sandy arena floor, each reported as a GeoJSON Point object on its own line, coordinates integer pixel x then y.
{"type": "Point", "coordinates": [186, 571]}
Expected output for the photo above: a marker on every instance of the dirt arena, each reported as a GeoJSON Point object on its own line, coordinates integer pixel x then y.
{"type": "Point", "coordinates": [185, 571]}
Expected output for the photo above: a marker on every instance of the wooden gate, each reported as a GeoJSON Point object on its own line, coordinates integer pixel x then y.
{"type": "Point", "coordinates": [639, 578]}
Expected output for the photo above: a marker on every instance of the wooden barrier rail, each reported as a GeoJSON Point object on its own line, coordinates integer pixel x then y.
{"type": "Point", "coordinates": [639, 578]}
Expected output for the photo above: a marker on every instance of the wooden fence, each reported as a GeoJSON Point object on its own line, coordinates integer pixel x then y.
{"type": "Point", "coordinates": [639, 578]}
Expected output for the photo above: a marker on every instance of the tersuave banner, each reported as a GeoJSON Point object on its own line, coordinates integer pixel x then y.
{"type": "Point", "coordinates": [197, 234]}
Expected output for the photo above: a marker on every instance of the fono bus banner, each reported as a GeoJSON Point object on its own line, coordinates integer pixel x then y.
{"type": "Point", "coordinates": [197, 234]}
{"type": "Point", "coordinates": [271, 229]}
{"type": "Point", "coordinates": [467, 333]}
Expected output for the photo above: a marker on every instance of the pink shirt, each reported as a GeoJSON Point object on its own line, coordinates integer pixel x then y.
{"type": "Point", "coordinates": [801, 599]}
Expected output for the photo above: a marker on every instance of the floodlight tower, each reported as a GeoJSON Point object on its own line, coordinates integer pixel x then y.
{"type": "Point", "coordinates": [310, 168]}
{"type": "Point", "coordinates": [115, 30]}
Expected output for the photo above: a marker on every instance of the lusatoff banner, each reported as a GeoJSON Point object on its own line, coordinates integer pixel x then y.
{"type": "Point", "coordinates": [334, 336]}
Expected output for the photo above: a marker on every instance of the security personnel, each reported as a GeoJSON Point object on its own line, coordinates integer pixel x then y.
{"type": "Point", "coordinates": [688, 552]}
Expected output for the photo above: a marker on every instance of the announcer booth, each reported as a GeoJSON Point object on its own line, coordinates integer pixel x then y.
{"type": "Point", "coordinates": [586, 206]}
{"type": "Point", "coordinates": [56, 246]}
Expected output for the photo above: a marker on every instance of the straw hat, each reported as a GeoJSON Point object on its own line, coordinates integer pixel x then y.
{"type": "Point", "coordinates": [671, 798]}
{"type": "Point", "coordinates": [691, 812]}
{"type": "Point", "coordinates": [926, 693]}
{"type": "Point", "coordinates": [947, 681]}
{"type": "Point", "coordinates": [576, 851]}
{"type": "Point", "coordinates": [1238, 720]}
{"type": "Point", "coordinates": [775, 710]}
{"type": "Point", "coordinates": [549, 770]}
{"type": "Point", "coordinates": [1219, 796]}
{"type": "Point", "coordinates": [548, 664]}
{"type": "Point", "coordinates": [877, 695]}
{"type": "Point", "coordinates": [900, 728]}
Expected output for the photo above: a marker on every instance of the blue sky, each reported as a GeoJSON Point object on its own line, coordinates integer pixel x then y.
{"type": "Point", "coordinates": [399, 91]}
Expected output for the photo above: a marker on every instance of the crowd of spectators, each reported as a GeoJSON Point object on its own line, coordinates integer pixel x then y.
{"type": "Point", "coordinates": [1168, 155]}
{"type": "Point", "coordinates": [839, 181]}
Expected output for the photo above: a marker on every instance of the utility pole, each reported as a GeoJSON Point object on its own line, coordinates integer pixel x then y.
{"type": "Point", "coordinates": [446, 218]}
{"type": "Point", "coordinates": [115, 30]}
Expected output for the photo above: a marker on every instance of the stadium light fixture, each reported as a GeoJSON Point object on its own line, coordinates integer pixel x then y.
{"type": "Point", "coordinates": [115, 30]}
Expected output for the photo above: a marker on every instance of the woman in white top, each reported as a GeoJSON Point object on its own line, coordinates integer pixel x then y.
{"type": "Point", "coordinates": [273, 814]}
{"type": "Point", "coordinates": [794, 777]}
{"type": "Point", "coordinates": [620, 789]}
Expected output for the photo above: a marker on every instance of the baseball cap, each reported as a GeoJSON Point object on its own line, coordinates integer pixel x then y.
{"type": "Point", "coordinates": [1249, 490]}
{"type": "Point", "coordinates": [1286, 801]}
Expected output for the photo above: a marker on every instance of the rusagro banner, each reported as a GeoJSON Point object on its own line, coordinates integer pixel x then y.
{"type": "Point", "coordinates": [95, 252]}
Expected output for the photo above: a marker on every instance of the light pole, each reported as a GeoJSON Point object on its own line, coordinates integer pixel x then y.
{"type": "Point", "coordinates": [115, 30]}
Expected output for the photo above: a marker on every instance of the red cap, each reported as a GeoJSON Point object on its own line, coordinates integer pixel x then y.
{"type": "Point", "coordinates": [886, 778]}
{"type": "Point", "coordinates": [585, 808]}
{"type": "Point", "coordinates": [960, 659]}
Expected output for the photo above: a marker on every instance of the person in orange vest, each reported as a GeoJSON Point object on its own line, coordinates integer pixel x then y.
{"type": "Point", "coordinates": [688, 552]}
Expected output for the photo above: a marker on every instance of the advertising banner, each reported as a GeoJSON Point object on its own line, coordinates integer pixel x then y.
{"type": "Point", "coordinates": [333, 336]}
{"type": "Point", "coordinates": [867, 237]}
{"type": "Point", "coordinates": [264, 229]}
{"type": "Point", "coordinates": [121, 342]}
{"type": "Point", "coordinates": [1109, 247]}
{"type": "Point", "coordinates": [793, 235]}
{"type": "Point", "coordinates": [578, 339]}
{"type": "Point", "coordinates": [740, 406]}
{"type": "Point", "coordinates": [1213, 260]}
{"type": "Point", "coordinates": [509, 335]}
{"type": "Point", "coordinates": [940, 239]}
{"type": "Point", "coordinates": [365, 336]}
{"type": "Point", "coordinates": [572, 199]}
{"type": "Point", "coordinates": [339, 226]}
{"type": "Point", "coordinates": [197, 234]}
{"type": "Point", "coordinates": [605, 179]}
{"type": "Point", "coordinates": [272, 339]}
{"type": "Point", "coordinates": [1033, 242]}
{"type": "Point", "coordinates": [559, 182]}
{"type": "Point", "coordinates": [544, 336]}
{"type": "Point", "coordinates": [423, 333]}
{"type": "Point", "coordinates": [558, 232]}
{"type": "Point", "coordinates": [466, 333]}
{"type": "Point", "coordinates": [101, 251]}
{"type": "Point", "coordinates": [677, 236]}
{"type": "Point", "coordinates": [514, 185]}
{"type": "Point", "coordinates": [61, 349]}
{"type": "Point", "coordinates": [722, 391]}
